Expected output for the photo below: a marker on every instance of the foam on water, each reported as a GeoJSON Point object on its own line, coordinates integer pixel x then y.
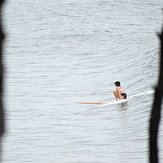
{"type": "Point", "coordinates": [143, 94]}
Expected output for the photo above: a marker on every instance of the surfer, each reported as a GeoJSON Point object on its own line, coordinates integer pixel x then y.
{"type": "Point", "coordinates": [120, 92]}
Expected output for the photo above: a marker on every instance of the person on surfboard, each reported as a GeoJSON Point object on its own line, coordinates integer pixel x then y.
{"type": "Point", "coordinates": [120, 92]}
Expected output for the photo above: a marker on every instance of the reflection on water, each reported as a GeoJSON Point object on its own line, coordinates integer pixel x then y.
{"type": "Point", "coordinates": [123, 106]}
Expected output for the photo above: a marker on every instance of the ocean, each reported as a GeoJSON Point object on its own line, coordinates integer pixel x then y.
{"type": "Point", "coordinates": [60, 52]}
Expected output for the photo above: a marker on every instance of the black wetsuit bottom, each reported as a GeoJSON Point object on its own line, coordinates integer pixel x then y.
{"type": "Point", "coordinates": [124, 95]}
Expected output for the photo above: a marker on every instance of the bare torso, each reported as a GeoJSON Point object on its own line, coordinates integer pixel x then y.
{"type": "Point", "coordinates": [120, 90]}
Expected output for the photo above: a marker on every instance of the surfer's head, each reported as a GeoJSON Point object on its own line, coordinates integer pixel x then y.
{"type": "Point", "coordinates": [117, 83]}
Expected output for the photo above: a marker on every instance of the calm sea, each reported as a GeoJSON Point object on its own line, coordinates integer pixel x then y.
{"type": "Point", "coordinates": [59, 52]}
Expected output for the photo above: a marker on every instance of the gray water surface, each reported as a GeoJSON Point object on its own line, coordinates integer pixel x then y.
{"type": "Point", "coordinates": [60, 52]}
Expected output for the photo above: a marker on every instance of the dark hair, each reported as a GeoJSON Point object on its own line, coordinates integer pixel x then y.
{"type": "Point", "coordinates": [117, 83]}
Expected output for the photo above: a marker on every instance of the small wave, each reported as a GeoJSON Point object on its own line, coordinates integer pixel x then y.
{"type": "Point", "coordinates": [129, 98]}
{"type": "Point", "coordinates": [143, 94]}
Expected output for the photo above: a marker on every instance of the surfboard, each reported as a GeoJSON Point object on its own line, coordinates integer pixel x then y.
{"type": "Point", "coordinates": [106, 103]}
{"type": "Point", "coordinates": [93, 102]}
{"type": "Point", "coordinates": [114, 102]}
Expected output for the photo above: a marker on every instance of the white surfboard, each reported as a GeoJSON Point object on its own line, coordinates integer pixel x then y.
{"type": "Point", "coordinates": [107, 103]}
{"type": "Point", "coordinates": [93, 102]}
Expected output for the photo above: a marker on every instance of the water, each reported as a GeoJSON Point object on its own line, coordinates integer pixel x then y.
{"type": "Point", "coordinates": [60, 52]}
